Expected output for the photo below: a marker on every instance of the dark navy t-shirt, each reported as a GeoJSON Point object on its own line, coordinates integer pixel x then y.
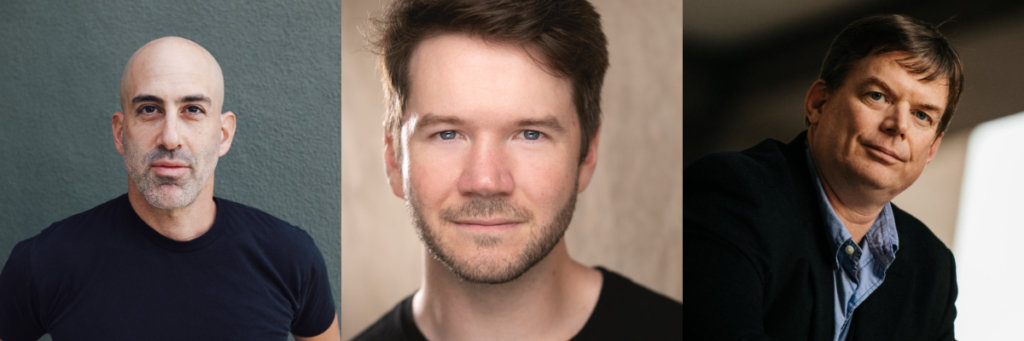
{"type": "Point", "coordinates": [104, 274]}
{"type": "Point", "coordinates": [624, 311]}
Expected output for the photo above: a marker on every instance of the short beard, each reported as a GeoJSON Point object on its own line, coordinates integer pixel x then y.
{"type": "Point", "coordinates": [537, 248]}
{"type": "Point", "coordinates": [150, 186]}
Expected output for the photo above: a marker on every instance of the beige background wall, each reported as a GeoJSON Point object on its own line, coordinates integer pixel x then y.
{"type": "Point", "coordinates": [628, 220]}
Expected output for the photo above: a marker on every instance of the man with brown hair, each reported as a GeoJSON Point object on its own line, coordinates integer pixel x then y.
{"type": "Point", "coordinates": [491, 131]}
{"type": "Point", "coordinates": [800, 241]}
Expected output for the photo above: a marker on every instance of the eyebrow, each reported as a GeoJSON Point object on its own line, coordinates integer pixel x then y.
{"type": "Point", "coordinates": [147, 98]}
{"type": "Point", "coordinates": [430, 119]}
{"type": "Point", "coordinates": [879, 83]}
{"type": "Point", "coordinates": [158, 100]}
{"type": "Point", "coordinates": [549, 122]}
{"type": "Point", "coordinates": [195, 98]}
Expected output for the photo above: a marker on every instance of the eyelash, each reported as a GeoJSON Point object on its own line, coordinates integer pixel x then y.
{"type": "Point", "coordinates": [443, 132]}
{"type": "Point", "coordinates": [199, 110]}
{"type": "Point", "coordinates": [141, 109]}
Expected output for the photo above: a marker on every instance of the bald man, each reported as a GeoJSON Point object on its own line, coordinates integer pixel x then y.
{"type": "Point", "coordinates": [168, 260]}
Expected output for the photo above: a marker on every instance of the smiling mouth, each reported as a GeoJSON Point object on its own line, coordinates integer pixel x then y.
{"type": "Point", "coordinates": [883, 154]}
{"type": "Point", "coordinates": [488, 224]}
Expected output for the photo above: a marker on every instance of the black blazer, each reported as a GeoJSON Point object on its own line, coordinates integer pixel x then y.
{"type": "Point", "coordinates": [758, 259]}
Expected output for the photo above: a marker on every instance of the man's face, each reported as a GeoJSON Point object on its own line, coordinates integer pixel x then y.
{"type": "Point", "coordinates": [172, 132]}
{"type": "Point", "coordinates": [876, 131]}
{"type": "Point", "coordinates": [490, 164]}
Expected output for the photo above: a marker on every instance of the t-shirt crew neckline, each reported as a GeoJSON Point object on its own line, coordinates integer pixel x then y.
{"type": "Point", "coordinates": [409, 322]}
{"type": "Point", "coordinates": [136, 223]}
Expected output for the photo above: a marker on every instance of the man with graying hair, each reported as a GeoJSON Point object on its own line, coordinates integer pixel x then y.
{"type": "Point", "coordinates": [801, 241]}
{"type": "Point", "coordinates": [168, 260]}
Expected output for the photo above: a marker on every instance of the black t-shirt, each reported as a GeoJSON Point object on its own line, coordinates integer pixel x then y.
{"type": "Point", "coordinates": [104, 274]}
{"type": "Point", "coordinates": [624, 311]}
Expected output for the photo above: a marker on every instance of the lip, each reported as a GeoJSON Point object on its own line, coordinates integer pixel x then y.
{"type": "Point", "coordinates": [884, 154]}
{"type": "Point", "coordinates": [168, 163]}
{"type": "Point", "coordinates": [171, 169]}
{"type": "Point", "coordinates": [487, 224]}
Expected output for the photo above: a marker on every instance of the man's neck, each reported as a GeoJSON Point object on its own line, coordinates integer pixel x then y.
{"type": "Point", "coordinates": [183, 224]}
{"type": "Point", "coordinates": [857, 215]}
{"type": "Point", "coordinates": [552, 300]}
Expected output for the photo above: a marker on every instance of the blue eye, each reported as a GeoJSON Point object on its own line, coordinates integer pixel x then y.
{"type": "Point", "coordinates": [447, 134]}
{"type": "Point", "coordinates": [531, 135]}
{"type": "Point", "coordinates": [922, 116]}
{"type": "Point", "coordinates": [877, 96]}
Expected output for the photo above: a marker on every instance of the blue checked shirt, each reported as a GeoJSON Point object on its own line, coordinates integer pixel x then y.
{"type": "Point", "coordinates": [857, 273]}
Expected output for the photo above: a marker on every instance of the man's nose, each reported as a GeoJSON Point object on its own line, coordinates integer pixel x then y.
{"type": "Point", "coordinates": [487, 171]}
{"type": "Point", "coordinates": [170, 137]}
{"type": "Point", "coordinates": [896, 119]}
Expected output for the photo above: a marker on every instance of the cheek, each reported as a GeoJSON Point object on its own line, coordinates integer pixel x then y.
{"type": "Point", "coordinates": [920, 153]}
{"type": "Point", "coordinates": [547, 182]}
{"type": "Point", "coordinates": [208, 138]}
{"type": "Point", "coordinates": [213, 145]}
{"type": "Point", "coordinates": [135, 144]}
{"type": "Point", "coordinates": [865, 120]}
{"type": "Point", "coordinates": [432, 178]}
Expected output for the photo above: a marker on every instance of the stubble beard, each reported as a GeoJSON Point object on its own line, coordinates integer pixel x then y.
{"type": "Point", "coordinates": [150, 185]}
{"type": "Point", "coordinates": [490, 271]}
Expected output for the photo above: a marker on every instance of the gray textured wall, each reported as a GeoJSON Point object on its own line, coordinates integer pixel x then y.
{"type": "Point", "coordinates": [60, 67]}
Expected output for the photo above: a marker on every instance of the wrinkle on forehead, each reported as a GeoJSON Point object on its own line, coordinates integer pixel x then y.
{"type": "Point", "coordinates": [174, 54]}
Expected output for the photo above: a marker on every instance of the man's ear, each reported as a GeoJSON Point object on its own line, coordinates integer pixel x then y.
{"type": "Point", "coordinates": [227, 132]}
{"type": "Point", "coordinates": [393, 166]}
{"type": "Point", "coordinates": [116, 124]}
{"type": "Point", "coordinates": [589, 163]}
{"type": "Point", "coordinates": [815, 100]}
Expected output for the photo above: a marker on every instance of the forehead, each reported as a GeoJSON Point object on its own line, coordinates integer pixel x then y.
{"type": "Point", "coordinates": [891, 70]}
{"type": "Point", "coordinates": [461, 74]}
{"type": "Point", "coordinates": [172, 69]}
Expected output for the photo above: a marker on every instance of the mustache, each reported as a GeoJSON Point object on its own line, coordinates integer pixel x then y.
{"type": "Point", "coordinates": [162, 153]}
{"type": "Point", "coordinates": [489, 207]}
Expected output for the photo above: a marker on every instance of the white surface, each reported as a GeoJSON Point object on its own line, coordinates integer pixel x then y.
{"type": "Point", "coordinates": [989, 231]}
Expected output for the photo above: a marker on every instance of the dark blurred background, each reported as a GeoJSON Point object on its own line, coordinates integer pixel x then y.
{"type": "Point", "coordinates": [747, 64]}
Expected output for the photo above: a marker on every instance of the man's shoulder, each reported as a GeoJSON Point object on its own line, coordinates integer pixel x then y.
{"type": "Point", "coordinates": [769, 153]}
{"type": "Point", "coordinates": [239, 211]}
{"type": "Point", "coordinates": [766, 191]}
{"type": "Point", "coordinates": [620, 291]}
{"type": "Point", "coordinates": [627, 310]}
{"type": "Point", "coordinates": [68, 246]}
{"type": "Point", "coordinates": [282, 242]}
{"type": "Point", "coordinates": [917, 238]}
{"type": "Point", "coordinates": [396, 324]}
{"type": "Point", "coordinates": [258, 222]}
{"type": "Point", "coordinates": [80, 227]}
{"type": "Point", "coordinates": [768, 167]}
{"type": "Point", "coordinates": [917, 298]}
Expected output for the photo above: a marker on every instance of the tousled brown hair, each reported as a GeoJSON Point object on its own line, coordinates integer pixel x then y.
{"type": "Point", "coordinates": [931, 54]}
{"type": "Point", "coordinates": [563, 36]}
